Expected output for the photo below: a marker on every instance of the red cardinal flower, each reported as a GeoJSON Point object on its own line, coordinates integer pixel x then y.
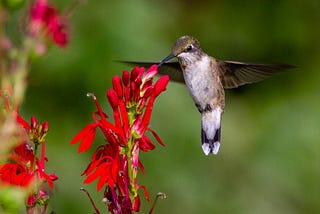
{"type": "Point", "coordinates": [22, 167]}
{"type": "Point", "coordinates": [45, 18]}
{"type": "Point", "coordinates": [115, 163]}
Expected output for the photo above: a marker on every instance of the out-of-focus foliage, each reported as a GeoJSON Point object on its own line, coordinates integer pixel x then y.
{"type": "Point", "coordinates": [269, 160]}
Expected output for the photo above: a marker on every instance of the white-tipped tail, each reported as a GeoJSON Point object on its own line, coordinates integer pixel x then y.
{"type": "Point", "coordinates": [211, 131]}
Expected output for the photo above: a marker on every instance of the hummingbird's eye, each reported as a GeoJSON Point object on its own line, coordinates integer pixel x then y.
{"type": "Point", "coordinates": [189, 48]}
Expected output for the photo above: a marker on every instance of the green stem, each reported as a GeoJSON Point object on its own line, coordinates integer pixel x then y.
{"type": "Point", "coordinates": [20, 71]}
{"type": "Point", "coordinates": [35, 157]}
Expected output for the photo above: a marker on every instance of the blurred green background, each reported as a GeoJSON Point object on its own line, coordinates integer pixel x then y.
{"type": "Point", "coordinates": [269, 160]}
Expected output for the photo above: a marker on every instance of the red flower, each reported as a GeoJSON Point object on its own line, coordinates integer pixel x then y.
{"type": "Point", "coordinates": [22, 166]}
{"type": "Point", "coordinates": [19, 171]}
{"type": "Point", "coordinates": [105, 164]}
{"type": "Point", "coordinates": [42, 198]}
{"type": "Point", "coordinates": [115, 164]}
{"type": "Point", "coordinates": [45, 17]}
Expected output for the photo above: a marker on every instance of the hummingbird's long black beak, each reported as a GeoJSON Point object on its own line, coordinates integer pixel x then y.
{"type": "Point", "coordinates": [166, 59]}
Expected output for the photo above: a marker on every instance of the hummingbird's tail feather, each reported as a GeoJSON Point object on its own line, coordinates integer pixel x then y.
{"type": "Point", "coordinates": [211, 131]}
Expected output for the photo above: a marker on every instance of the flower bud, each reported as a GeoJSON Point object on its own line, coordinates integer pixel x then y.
{"type": "Point", "coordinates": [117, 85]}
{"type": "Point", "coordinates": [113, 98]}
{"type": "Point", "coordinates": [33, 122]}
{"type": "Point", "coordinates": [161, 85]}
{"type": "Point", "coordinates": [135, 73]}
{"type": "Point", "coordinates": [125, 78]}
{"type": "Point", "coordinates": [45, 128]}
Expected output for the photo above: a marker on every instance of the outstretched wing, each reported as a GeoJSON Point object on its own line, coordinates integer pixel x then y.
{"type": "Point", "coordinates": [172, 69]}
{"type": "Point", "coordinates": [234, 74]}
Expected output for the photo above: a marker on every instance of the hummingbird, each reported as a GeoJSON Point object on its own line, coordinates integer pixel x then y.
{"type": "Point", "coordinates": [206, 78]}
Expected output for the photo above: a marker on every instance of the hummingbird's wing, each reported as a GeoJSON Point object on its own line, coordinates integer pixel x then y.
{"type": "Point", "coordinates": [172, 69]}
{"type": "Point", "coordinates": [234, 74]}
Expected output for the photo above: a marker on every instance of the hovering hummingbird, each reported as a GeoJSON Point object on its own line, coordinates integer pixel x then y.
{"type": "Point", "coordinates": [206, 79]}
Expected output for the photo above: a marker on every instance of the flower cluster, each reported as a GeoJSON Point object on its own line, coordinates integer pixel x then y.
{"type": "Point", "coordinates": [22, 153]}
{"type": "Point", "coordinates": [115, 163]}
{"type": "Point", "coordinates": [44, 18]}
{"type": "Point", "coordinates": [23, 168]}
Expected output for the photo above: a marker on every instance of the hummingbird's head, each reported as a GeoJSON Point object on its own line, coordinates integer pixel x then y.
{"type": "Point", "coordinates": [185, 47]}
{"type": "Point", "coordinates": [185, 44]}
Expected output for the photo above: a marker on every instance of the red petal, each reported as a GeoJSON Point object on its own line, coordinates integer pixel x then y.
{"type": "Point", "coordinates": [136, 204]}
{"type": "Point", "coordinates": [44, 176]}
{"type": "Point", "coordinates": [33, 122]}
{"type": "Point", "coordinates": [157, 137]}
{"type": "Point", "coordinates": [145, 144]}
{"type": "Point", "coordinates": [125, 119]}
{"type": "Point", "coordinates": [146, 117]}
{"type": "Point", "coordinates": [31, 201]}
{"type": "Point", "coordinates": [60, 36]}
{"type": "Point", "coordinates": [104, 175]}
{"type": "Point", "coordinates": [145, 192]}
{"type": "Point", "coordinates": [150, 73]}
{"type": "Point", "coordinates": [141, 167]}
{"type": "Point", "coordinates": [91, 177]}
{"type": "Point", "coordinates": [22, 122]}
{"type": "Point", "coordinates": [135, 73]}
{"type": "Point", "coordinates": [86, 137]}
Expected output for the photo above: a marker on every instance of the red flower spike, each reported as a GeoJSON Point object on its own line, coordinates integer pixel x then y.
{"type": "Point", "coordinates": [116, 163]}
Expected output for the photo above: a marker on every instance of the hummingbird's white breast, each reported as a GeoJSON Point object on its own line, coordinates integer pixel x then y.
{"type": "Point", "coordinates": [198, 75]}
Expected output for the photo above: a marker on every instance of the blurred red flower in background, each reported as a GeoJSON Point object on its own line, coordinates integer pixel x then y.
{"type": "Point", "coordinates": [44, 18]}
{"type": "Point", "coordinates": [23, 168]}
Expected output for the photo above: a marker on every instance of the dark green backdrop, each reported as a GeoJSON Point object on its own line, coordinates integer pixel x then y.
{"type": "Point", "coordinates": [269, 160]}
